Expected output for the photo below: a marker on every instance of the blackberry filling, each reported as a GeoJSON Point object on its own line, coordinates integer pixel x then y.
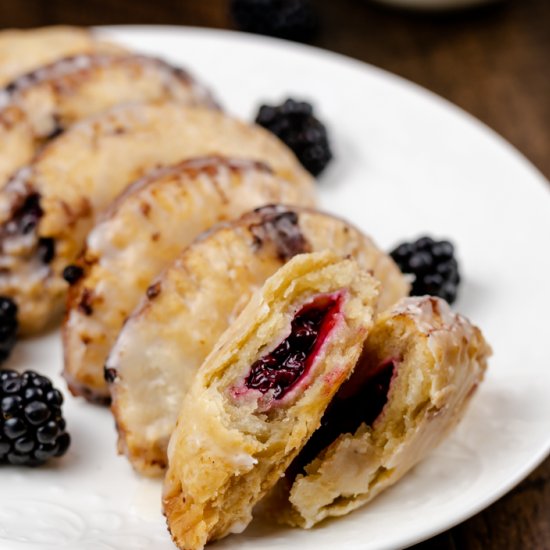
{"type": "Point", "coordinates": [281, 369]}
{"type": "Point", "coordinates": [26, 217]}
{"type": "Point", "coordinates": [46, 249]}
{"type": "Point", "coordinates": [73, 273]}
{"type": "Point", "coordinates": [23, 223]}
{"type": "Point", "coordinates": [359, 400]}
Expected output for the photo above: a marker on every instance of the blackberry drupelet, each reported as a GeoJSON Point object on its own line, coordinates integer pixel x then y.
{"type": "Point", "coordinates": [433, 265]}
{"type": "Point", "coordinates": [295, 124]}
{"type": "Point", "coordinates": [8, 327]}
{"type": "Point", "coordinates": [32, 428]}
{"type": "Point", "coordinates": [290, 19]}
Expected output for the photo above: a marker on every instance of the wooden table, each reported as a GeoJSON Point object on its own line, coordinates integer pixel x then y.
{"type": "Point", "coordinates": [493, 62]}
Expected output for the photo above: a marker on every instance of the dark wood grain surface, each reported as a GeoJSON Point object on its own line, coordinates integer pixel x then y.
{"type": "Point", "coordinates": [493, 62]}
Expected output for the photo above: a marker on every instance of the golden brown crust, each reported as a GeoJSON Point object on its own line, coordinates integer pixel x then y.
{"type": "Point", "coordinates": [77, 175]}
{"type": "Point", "coordinates": [22, 51]}
{"type": "Point", "coordinates": [139, 235]}
{"type": "Point", "coordinates": [206, 288]}
{"type": "Point", "coordinates": [229, 447]}
{"type": "Point", "coordinates": [440, 359]}
{"type": "Point", "coordinates": [40, 105]}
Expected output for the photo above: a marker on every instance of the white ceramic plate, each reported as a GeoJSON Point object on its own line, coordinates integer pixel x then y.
{"type": "Point", "coordinates": [407, 162]}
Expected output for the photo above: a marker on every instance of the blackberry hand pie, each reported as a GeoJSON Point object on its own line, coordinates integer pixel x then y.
{"type": "Point", "coordinates": [260, 394]}
{"type": "Point", "coordinates": [40, 105]}
{"type": "Point", "coordinates": [22, 51]}
{"type": "Point", "coordinates": [419, 368]}
{"type": "Point", "coordinates": [143, 231]}
{"type": "Point", "coordinates": [192, 303]}
{"type": "Point", "coordinates": [48, 208]}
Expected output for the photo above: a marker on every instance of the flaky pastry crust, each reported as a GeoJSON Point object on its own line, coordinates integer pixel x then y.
{"type": "Point", "coordinates": [77, 175]}
{"type": "Point", "coordinates": [229, 448]}
{"type": "Point", "coordinates": [22, 51]}
{"type": "Point", "coordinates": [440, 359]}
{"type": "Point", "coordinates": [140, 234]}
{"type": "Point", "coordinates": [168, 336]}
{"type": "Point", "coordinates": [40, 105]}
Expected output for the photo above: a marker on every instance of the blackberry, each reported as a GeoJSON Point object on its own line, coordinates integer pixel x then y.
{"type": "Point", "coordinates": [32, 428]}
{"type": "Point", "coordinates": [8, 326]}
{"type": "Point", "coordinates": [290, 19]}
{"type": "Point", "coordinates": [433, 265]}
{"type": "Point", "coordinates": [295, 124]}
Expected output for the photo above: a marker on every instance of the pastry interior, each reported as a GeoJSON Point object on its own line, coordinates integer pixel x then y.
{"type": "Point", "coordinates": [409, 389]}
{"type": "Point", "coordinates": [389, 363]}
{"type": "Point", "coordinates": [277, 372]}
{"type": "Point", "coordinates": [260, 394]}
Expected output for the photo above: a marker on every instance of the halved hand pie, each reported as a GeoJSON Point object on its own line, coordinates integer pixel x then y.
{"type": "Point", "coordinates": [40, 105]}
{"type": "Point", "coordinates": [188, 307]}
{"type": "Point", "coordinates": [22, 51]}
{"type": "Point", "coordinates": [261, 393]}
{"type": "Point", "coordinates": [143, 231]}
{"type": "Point", "coordinates": [419, 368]}
{"type": "Point", "coordinates": [47, 209]}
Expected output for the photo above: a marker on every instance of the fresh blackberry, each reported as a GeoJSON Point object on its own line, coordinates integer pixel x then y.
{"type": "Point", "coordinates": [32, 428]}
{"type": "Point", "coordinates": [290, 19]}
{"type": "Point", "coordinates": [433, 265]}
{"type": "Point", "coordinates": [8, 326]}
{"type": "Point", "coordinates": [295, 124]}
